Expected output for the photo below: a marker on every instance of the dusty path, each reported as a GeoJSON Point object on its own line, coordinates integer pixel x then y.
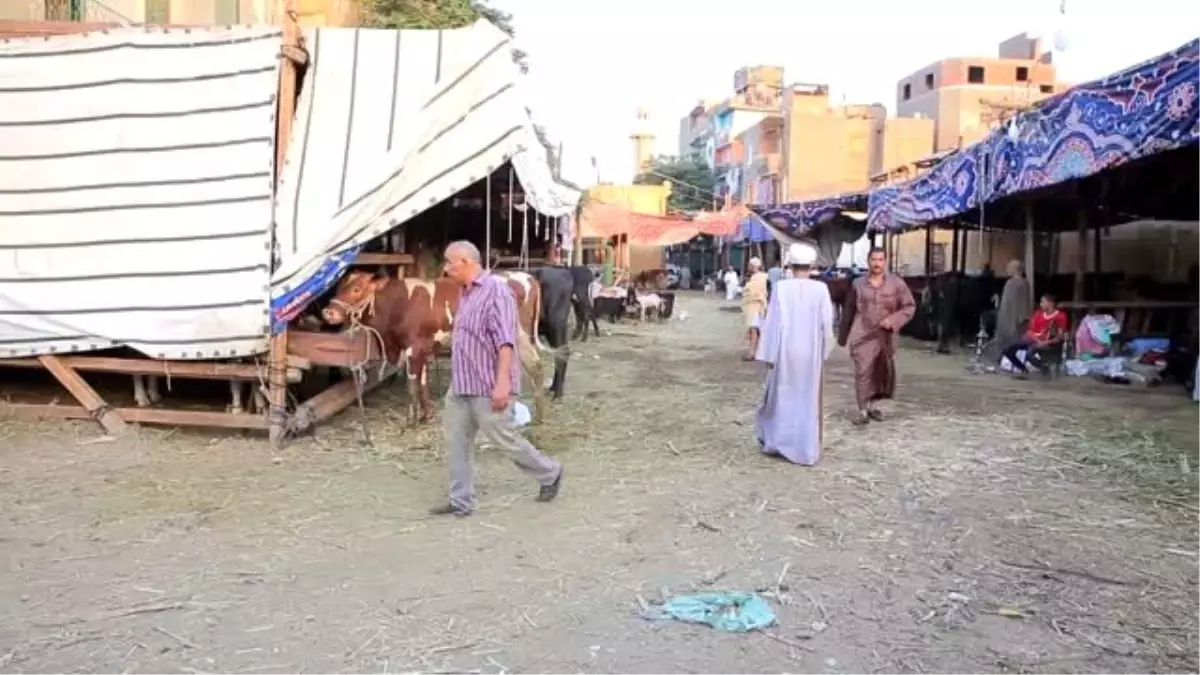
{"type": "Point", "coordinates": [908, 548]}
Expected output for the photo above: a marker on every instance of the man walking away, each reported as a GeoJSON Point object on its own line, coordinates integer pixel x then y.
{"type": "Point", "coordinates": [754, 304]}
{"type": "Point", "coordinates": [484, 378]}
{"type": "Point", "coordinates": [878, 306]}
{"type": "Point", "coordinates": [1047, 329]}
{"type": "Point", "coordinates": [797, 337]}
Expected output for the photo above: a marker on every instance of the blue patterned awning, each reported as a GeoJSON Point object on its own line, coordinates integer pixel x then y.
{"type": "Point", "coordinates": [1150, 108]}
{"type": "Point", "coordinates": [798, 219]}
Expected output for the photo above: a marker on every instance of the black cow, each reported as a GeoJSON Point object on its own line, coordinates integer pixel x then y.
{"type": "Point", "coordinates": [555, 320]}
{"type": "Point", "coordinates": [581, 301]}
{"type": "Point", "coordinates": [958, 304]}
{"type": "Point", "coordinates": [668, 306]}
{"type": "Point", "coordinates": [610, 308]}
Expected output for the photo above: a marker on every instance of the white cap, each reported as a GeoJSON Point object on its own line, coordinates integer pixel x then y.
{"type": "Point", "coordinates": [755, 262]}
{"type": "Point", "coordinates": [801, 254]}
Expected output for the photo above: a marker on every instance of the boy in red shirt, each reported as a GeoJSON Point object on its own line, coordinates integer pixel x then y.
{"type": "Point", "coordinates": [1047, 327]}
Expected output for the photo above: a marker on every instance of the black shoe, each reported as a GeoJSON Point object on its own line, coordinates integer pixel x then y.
{"type": "Point", "coordinates": [449, 510]}
{"type": "Point", "coordinates": [549, 492]}
{"type": "Point", "coordinates": [875, 415]}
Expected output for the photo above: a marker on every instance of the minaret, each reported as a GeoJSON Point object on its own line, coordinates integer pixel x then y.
{"type": "Point", "coordinates": [643, 142]}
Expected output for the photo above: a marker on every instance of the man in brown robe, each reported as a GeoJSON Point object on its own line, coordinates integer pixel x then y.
{"type": "Point", "coordinates": [877, 307]}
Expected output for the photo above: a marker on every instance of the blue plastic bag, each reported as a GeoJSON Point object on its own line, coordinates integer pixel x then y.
{"type": "Point", "coordinates": [729, 612]}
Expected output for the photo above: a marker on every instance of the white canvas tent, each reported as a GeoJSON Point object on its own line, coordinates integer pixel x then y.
{"type": "Point", "coordinates": [390, 123]}
{"type": "Point", "coordinates": [135, 174]}
{"type": "Point", "coordinates": [135, 191]}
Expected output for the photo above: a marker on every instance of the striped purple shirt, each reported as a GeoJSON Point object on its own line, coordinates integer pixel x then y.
{"type": "Point", "coordinates": [485, 322]}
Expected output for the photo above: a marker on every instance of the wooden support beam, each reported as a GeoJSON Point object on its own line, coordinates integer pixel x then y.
{"type": "Point", "coordinates": [337, 398]}
{"type": "Point", "coordinates": [954, 250]}
{"type": "Point", "coordinates": [190, 370]}
{"type": "Point", "coordinates": [285, 116]}
{"type": "Point", "coordinates": [385, 259]}
{"type": "Point", "coordinates": [1097, 260]}
{"type": "Point", "coordinates": [928, 251]}
{"type": "Point", "coordinates": [1030, 276]}
{"type": "Point", "coordinates": [93, 405]}
{"type": "Point", "coordinates": [1081, 252]}
{"type": "Point", "coordinates": [196, 418]}
{"type": "Point", "coordinates": [340, 350]}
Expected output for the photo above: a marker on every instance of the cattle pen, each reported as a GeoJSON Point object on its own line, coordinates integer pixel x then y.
{"type": "Point", "coordinates": [315, 235]}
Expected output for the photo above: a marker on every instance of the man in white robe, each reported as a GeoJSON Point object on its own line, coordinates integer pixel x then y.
{"type": "Point", "coordinates": [732, 287]}
{"type": "Point", "coordinates": [797, 337]}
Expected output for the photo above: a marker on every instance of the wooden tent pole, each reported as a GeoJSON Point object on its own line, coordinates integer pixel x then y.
{"type": "Point", "coordinates": [928, 251]}
{"type": "Point", "coordinates": [510, 203]}
{"type": "Point", "coordinates": [277, 355]}
{"type": "Point", "coordinates": [1081, 253]}
{"type": "Point", "coordinates": [487, 219]}
{"type": "Point", "coordinates": [1029, 275]}
{"type": "Point", "coordinates": [954, 261]}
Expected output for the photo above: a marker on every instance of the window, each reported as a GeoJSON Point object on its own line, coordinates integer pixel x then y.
{"type": "Point", "coordinates": [226, 12]}
{"type": "Point", "coordinates": [1022, 74]}
{"type": "Point", "coordinates": [907, 91]}
{"type": "Point", "coordinates": [158, 12]}
{"type": "Point", "coordinates": [63, 10]}
{"type": "Point", "coordinates": [1046, 88]}
{"type": "Point", "coordinates": [929, 80]}
{"type": "Point", "coordinates": [975, 74]}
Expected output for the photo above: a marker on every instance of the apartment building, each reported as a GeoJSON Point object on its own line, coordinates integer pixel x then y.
{"type": "Point", "coordinates": [757, 98]}
{"type": "Point", "coordinates": [967, 96]}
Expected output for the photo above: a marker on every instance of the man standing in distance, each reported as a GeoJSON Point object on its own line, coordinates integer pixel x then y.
{"type": "Point", "coordinates": [754, 304]}
{"type": "Point", "coordinates": [797, 337]}
{"type": "Point", "coordinates": [876, 308]}
{"type": "Point", "coordinates": [484, 377]}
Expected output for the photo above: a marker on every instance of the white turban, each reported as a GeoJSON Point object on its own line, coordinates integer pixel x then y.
{"type": "Point", "coordinates": [755, 262]}
{"type": "Point", "coordinates": [801, 254]}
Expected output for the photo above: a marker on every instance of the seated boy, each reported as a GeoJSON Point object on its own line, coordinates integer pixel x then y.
{"type": "Point", "coordinates": [1047, 328]}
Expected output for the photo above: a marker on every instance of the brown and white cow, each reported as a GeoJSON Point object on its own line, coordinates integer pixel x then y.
{"type": "Point", "coordinates": [410, 316]}
{"type": "Point", "coordinates": [414, 316]}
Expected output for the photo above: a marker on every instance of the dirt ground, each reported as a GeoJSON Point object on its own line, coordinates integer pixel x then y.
{"type": "Point", "coordinates": [988, 525]}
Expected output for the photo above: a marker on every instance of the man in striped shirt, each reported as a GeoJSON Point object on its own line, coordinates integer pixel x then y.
{"type": "Point", "coordinates": [484, 377]}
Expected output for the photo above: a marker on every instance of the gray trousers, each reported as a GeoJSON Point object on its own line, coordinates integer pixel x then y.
{"type": "Point", "coordinates": [465, 416]}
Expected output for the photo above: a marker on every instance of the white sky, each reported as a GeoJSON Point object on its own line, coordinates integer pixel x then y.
{"type": "Point", "coordinates": [592, 62]}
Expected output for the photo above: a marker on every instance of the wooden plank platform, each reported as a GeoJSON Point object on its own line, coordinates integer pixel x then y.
{"type": "Point", "coordinates": [192, 370]}
{"type": "Point", "coordinates": [198, 418]}
{"type": "Point", "coordinates": [338, 350]}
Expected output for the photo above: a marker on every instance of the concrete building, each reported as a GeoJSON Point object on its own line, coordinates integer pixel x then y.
{"type": "Point", "coordinates": [695, 130]}
{"type": "Point", "coordinates": [964, 98]}
{"type": "Point", "coordinates": [710, 130]}
{"type": "Point", "coordinates": [967, 96]}
{"type": "Point", "coordinates": [828, 149]}
{"type": "Point", "coordinates": [696, 133]}
{"type": "Point", "coordinates": [762, 164]}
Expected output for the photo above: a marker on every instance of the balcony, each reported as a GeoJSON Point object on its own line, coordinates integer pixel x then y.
{"type": "Point", "coordinates": [768, 164]}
